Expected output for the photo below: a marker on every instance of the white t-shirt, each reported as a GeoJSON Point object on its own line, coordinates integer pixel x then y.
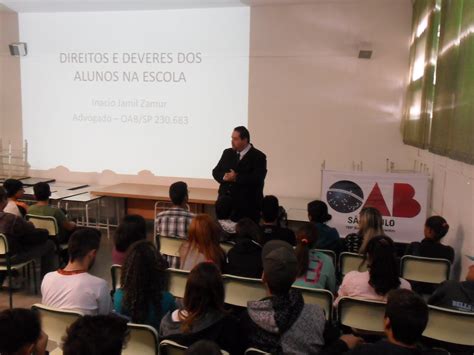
{"type": "Point", "coordinates": [80, 292]}
{"type": "Point", "coordinates": [12, 208]}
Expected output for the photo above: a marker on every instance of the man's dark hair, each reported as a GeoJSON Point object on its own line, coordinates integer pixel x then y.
{"type": "Point", "coordinates": [270, 208]}
{"type": "Point", "coordinates": [12, 186]}
{"type": "Point", "coordinates": [224, 207]}
{"type": "Point", "coordinates": [96, 335]}
{"type": "Point", "coordinates": [82, 241]}
{"type": "Point", "coordinates": [243, 132]}
{"type": "Point", "coordinates": [3, 194]}
{"type": "Point", "coordinates": [203, 347]}
{"type": "Point", "coordinates": [408, 314]}
{"type": "Point", "coordinates": [42, 191]}
{"type": "Point", "coordinates": [18, 327]}
{"type": "Point", "coordinates": [178, 192]}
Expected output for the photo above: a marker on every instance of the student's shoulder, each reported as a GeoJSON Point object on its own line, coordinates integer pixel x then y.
{"type": "Point", "coordinates": [94, 280]}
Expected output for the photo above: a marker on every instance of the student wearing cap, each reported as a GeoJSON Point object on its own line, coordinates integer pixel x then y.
{"type": "Point", "coordinates": [282, 323]}
{"type": "Point", "coordinates": [15, 191]}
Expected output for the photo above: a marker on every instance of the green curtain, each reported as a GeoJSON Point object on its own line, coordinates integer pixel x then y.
{"type": "Point", "coordinates": [460, 145]}
{"type": "Point", "coordinates": [439, 105]}
{"type": "Point", "coordinates": [446, 76]}
{"type": "Point", "coordinates": [423, 53]}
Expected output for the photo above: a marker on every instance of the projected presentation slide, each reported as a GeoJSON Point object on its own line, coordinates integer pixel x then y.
{"type": "Point", "coordinates": [134, 90]}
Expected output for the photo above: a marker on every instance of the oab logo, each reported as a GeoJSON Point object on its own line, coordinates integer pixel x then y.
{"type": "Point", "coordinates": [346, 196]}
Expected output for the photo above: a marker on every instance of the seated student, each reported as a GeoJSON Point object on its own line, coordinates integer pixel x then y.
{"type": "Point", "coordinates": [282, 323]}
{"type": "Point", "coordinates": [24, 241]}
{"type": "Point", "coordinates": [202, 314]}
{"type": "Point", "coordinates": [21, 334]}
{"type": "Point", "coordinates": [315, 269]}
{"type": "Point", "coordinates": [245, 257]}
{"type": "Point", "coordinates": [436, 228]}
{"type": "Point", "coordinates": [328, 237]}
{"type": "Point", "coordinates": [73, 287]}
{"type": "Point", "coordinates": [42, 193]}
{"type": "Point", "coordinates": [223, 213]}
{"type": "Point", "coordinates": [142, 296]}
{"type": "Point", "coordinates": [131, 229]}
{"type": "Point", "coordinates": [175, 221]}
{"type": "Point", "coordinates": [96, 335]}
{"type": "Point", "coordinates": [406, 317]}
{"type": "Point", "coordinates": [455, 295]}
{"type": "Point", "coordinates": [370, 225]}
{"type": "Point", "coordinates": [15, 191]}
{"type": "Point", "coordinates": [270, 227]}
{"type": "Point", "coordinates": [382, 276]}
{"type": "Point", "coordinates": [460, 297]}
{"type": "Point", "coordinates": [202, 244]}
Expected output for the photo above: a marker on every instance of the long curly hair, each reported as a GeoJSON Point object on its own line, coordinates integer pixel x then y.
{"type": "Point", "coordinates": [143, 280]}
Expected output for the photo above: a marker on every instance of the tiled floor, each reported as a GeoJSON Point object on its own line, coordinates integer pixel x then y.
{"type": "Point", "coordinates": [26, 298]}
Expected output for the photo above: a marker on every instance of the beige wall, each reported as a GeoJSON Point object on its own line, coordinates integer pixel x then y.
{"type": "Point", "coordinates": [10, 88]}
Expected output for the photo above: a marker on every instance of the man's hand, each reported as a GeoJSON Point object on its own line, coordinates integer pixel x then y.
{"type": "Point", "coordinates": [351, 340]}
{"type": "Point", "coordinates": [231, 176]}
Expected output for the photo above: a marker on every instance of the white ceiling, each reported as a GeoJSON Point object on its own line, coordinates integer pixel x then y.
{"type": "Point", "coordinates": [130, 5]}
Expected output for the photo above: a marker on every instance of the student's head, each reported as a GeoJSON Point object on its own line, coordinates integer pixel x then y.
{"type": "Point", "coordinates": [248, 229]}
{"type": "Point", "coordinates": [203, 347]}
{"type": "Point", "coordinates": [382, 265]}
{"type": "Point", "coordinates": [406, 316]}
{"type": "Point", "coordinates": [179, 193]}
{"type": "Point", "coordinates": [96, 335]}
{"type": "Point", "coordinates": [83, 246]}
{"type": "Point", "coordinates": [143, 280]}
{"type": "Point", "coordinates": [42, 191]}
{"type": "Point", "coordinates": [224, 207]}
{"type": "Point", "coordinates": [204, 293]}
{"type": "Point", "coordinates": [3, 198]}
{"type": "Point", "coordinates": [131, 229]}
{"type": "Point", "coordinates": [270, 209]}
{"type": "Point", "coordinates": [370, 225]}
{"type": "Point", "coordinates": [14, 188]}
{"type": "Point", "coordinates": [318, 212]}
{"type": "Point", "coordinates": [436, 228]}
{"type": "Point", "coordinates": [203, 234]}
{"type": "Point", "coordinates": [20, 329]}
{"type": "Point", "coordinates": [240, 138]}
{"type": "Point", "coordinates": [279, 266]}
{"type": "Point", "coordinates": [306, 237]}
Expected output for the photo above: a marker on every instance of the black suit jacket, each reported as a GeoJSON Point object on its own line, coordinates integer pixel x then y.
{"type": "Point", "coordinates": [247, 190]}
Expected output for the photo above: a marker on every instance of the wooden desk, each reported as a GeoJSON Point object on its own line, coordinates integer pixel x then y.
{"type": "Point", "coordinates": [140, 198]}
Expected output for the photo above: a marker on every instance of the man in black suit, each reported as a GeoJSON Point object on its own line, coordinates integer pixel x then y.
{"type": "Point", "coordinates": [241, 174]}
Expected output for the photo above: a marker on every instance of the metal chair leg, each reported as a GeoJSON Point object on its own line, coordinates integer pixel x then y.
{"type": "Point", "coordinates": [34, 277]}
{"type": "Point", "coordinates": [10, 291]}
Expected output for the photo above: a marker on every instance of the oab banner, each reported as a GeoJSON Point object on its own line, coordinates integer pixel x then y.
{"type": "Point", "coordinates": [402, 199]}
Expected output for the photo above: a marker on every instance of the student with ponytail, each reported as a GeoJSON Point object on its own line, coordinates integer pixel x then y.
{"type": "Point", "coordinates": [315, 269]}
{"type": "Point", "coordinates": [436, 228]}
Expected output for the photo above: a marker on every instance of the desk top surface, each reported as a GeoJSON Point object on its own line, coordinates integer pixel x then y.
{"type": "Point", "coordinates": [156, 192]}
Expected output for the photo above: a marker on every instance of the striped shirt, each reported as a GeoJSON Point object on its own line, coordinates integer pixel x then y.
{"type": "Point", "coordinates": [174, 222]}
